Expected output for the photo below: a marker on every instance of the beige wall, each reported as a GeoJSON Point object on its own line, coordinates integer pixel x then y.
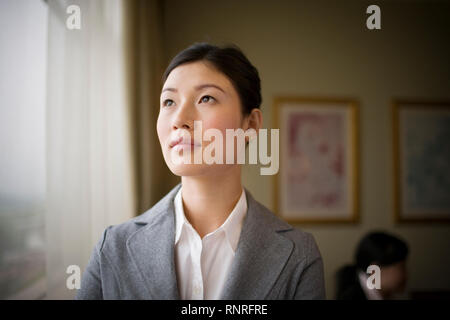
{"type": "Point", "coordinates": [314, 48]}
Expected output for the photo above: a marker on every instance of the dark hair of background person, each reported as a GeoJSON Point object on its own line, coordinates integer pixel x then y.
{"type": "Point", "coordinates": [377, 248]}
{"type": "Point", "coordinates": [232, 63]}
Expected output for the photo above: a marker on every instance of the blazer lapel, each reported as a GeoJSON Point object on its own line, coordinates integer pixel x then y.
{"type": "Point", "coordinates": [152, 249]}
{"type": "Point", "coordinates": [260, 257]}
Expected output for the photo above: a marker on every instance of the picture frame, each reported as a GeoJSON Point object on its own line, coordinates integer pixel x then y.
{"type": "Point", "coordinates": [421, 143]}
{"type": "Point", "coordinates": [319, 166]}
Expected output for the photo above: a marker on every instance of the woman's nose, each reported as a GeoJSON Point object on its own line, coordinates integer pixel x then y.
{"type": "Point", "coordinates": [184, 118]}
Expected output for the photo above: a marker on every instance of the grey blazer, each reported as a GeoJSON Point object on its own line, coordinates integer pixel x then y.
{"type": "Point", "coordinates": [135, 259]}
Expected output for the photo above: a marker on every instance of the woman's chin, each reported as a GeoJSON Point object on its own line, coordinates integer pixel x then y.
{"type": "Point", "coordinates": [214, 171]}
{"type": "Point", "coordinates": [188, 169]}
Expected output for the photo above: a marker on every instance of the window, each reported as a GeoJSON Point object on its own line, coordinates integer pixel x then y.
{"type": "Point", "coordinates": [22, 148]}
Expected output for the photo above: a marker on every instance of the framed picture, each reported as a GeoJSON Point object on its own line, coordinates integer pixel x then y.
{"type": "Point", "coordinates": [421, 132]}
{"type": "Point", "coordinates": [318, 177]}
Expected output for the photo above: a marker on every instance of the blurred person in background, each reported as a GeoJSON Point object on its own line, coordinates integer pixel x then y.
{"type": "Point", "coordinates": [376, 248]}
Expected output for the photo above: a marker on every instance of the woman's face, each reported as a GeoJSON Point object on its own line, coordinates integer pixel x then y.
{"type": "Point", "coordinates": [195, 92]}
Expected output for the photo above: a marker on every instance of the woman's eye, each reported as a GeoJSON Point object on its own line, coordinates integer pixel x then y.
{"type": "Point", "coordinates": [206, 99]}
{"type": "Point", "coordinates": [168, 103]}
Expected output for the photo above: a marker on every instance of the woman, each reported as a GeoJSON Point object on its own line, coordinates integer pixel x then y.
{"type": "Point", "coordinates": [387, 252]}
{"type": "Point", "coordinates": [207, 238]}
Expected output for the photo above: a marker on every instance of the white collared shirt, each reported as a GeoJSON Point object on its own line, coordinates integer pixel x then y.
{"type": "Point", "coordinates": [203, 265]}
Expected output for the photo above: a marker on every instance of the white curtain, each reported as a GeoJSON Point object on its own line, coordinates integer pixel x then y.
{"type": "Point", "coordinates": [90, 173]}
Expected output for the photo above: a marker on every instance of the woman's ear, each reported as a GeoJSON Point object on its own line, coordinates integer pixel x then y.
{"type": "Point", "coordinates": [254, 121]}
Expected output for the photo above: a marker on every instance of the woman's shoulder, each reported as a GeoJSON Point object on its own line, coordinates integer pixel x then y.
{"type": "Point", "coordinates": [304, 242]}
{"type": "Point", "coordinates": [117, 235]}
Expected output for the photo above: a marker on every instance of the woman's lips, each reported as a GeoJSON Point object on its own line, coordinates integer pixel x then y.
{"type": "Point", "coordinates": [181, 143]}
{"type": "Point", "coordinates": [183, 147]}
{"type": "Point", "coordinates": [174, 142]}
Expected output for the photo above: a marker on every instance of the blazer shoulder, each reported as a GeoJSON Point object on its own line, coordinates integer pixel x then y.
{"type": "Point", "coordinates": [116, 236]}
{"type": "Point", "coordinates": [304, 242]}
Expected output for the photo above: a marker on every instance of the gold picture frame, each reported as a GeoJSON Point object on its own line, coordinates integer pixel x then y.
{"type": "Point", "coordinates": [420, 159]}
{"type": "Point", "coordinates": [302, 194]}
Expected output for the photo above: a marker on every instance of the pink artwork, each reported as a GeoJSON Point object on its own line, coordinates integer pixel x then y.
{"type": "Point", "coordinates": [317, 169]}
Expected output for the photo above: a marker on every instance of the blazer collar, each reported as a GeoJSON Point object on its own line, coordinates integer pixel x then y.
{"type": "Point", "coordinates": [152, 248]}
{"type": "Point", "coordinates": [261, 254]}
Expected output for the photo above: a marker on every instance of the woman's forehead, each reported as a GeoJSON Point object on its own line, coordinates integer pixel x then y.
{"type": "Point", "coordinates": [195, 74]}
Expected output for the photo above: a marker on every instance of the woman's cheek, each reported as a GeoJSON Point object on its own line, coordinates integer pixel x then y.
{"type": "Point", "coordinates": [159, 130]}
{"type": "Point", "coordinates": [222, 122]}
{"type": "Point", "coordinates": [162, 129]}
{"type": "Point", "coordinates": [220, 125]}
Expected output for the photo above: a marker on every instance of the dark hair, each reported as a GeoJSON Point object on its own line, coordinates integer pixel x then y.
{"type": "Point", "coordinates": [380, 248]}
{"type": "Point", "coordinates": [231, 62]}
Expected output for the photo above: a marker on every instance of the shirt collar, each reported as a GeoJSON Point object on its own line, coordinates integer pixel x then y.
{"type": "Point", "coordinates": [232, 225]}
{"type": "Point", "coordinates": [180, 218]}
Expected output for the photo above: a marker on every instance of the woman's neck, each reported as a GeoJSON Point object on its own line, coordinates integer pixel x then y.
{"type": "Point", "coordinates": [209, 200]}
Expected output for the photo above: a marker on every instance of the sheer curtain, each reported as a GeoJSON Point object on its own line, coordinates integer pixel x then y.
{"type": "Point", "coordinates": [90, 136]}
{"type": "Point", "coordinates": [147, 60]}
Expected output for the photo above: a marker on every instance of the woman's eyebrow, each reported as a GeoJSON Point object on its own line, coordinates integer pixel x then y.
{"type": "Point", "coordinates": [169, 89]}
{"type": "Point", "coordinates": [209, 85]}
{"type": "Point", "coordinates": [199, 87]}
